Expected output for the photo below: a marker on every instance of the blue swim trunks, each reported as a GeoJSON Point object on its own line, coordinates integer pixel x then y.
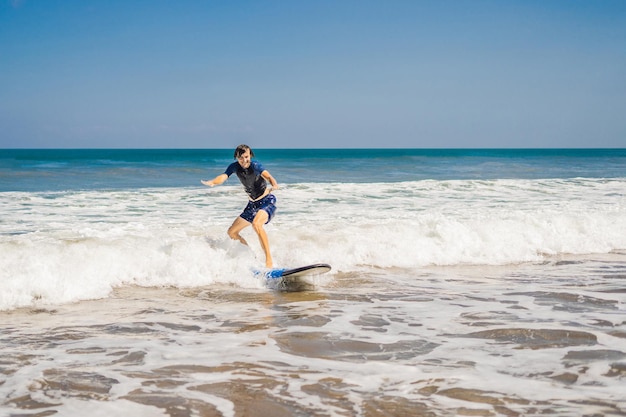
{"type": "Point", "coordinates": [267, 204]}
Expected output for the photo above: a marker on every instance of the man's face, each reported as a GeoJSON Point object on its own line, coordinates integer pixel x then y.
{"type": "Point", "coordinates": [244, 159]}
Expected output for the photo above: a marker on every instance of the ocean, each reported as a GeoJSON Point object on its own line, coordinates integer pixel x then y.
{"type": "Point", "coordinates": [478, 282]}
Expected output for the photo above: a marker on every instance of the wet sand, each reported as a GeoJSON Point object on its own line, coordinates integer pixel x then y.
{"type": "Point", "coordinates": [531, 339]}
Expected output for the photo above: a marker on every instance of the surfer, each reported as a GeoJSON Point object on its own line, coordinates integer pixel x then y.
{"type": "Point", "coordinates": [262, 203]}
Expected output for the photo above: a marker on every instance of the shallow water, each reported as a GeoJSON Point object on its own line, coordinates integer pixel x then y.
{"type": "Point", "coordinates": [546, 338]}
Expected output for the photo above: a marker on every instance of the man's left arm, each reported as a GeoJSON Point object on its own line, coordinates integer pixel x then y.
{"type": "Point", "coordinates": [266, 174]}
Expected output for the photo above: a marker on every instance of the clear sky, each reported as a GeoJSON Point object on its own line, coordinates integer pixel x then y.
{"type": "Point", "coordinates": [312, 73]}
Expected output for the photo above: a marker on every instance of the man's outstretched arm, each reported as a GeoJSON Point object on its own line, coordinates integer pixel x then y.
{"type": "Point", "coordinates": [215, 181]}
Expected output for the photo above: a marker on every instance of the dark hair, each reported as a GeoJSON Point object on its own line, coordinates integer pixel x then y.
{"type": "Point", "coordinates": [241, 149]}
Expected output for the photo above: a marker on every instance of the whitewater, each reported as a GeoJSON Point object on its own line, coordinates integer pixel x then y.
{"type": "Point", "coordinates": [66, 246]}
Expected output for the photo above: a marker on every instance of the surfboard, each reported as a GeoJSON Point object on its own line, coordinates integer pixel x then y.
{"type": "Point", "coordinates": [292, 279]}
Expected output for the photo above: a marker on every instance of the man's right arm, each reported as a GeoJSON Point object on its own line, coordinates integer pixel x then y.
{"type": "Point", "coordinates": [215, 181]}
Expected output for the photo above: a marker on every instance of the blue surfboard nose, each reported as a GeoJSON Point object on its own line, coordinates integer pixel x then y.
{"type": "Point", "coordinates": [275, 273]}
{"type": "Point", "coordinates": [271, 273]}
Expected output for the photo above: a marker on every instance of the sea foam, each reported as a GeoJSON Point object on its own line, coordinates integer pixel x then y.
{"type": "Point", "coordinates": [66, 246]}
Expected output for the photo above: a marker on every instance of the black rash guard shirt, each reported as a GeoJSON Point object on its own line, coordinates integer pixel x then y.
{"type": "Point", "coordinates": [251, 178]}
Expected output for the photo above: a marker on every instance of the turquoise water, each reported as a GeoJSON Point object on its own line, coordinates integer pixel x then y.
{"type": "Point", "coordinates": [93, 169]}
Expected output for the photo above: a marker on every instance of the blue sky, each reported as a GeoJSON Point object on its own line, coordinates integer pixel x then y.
{"type": "Point", "coordinates": [316, 73]}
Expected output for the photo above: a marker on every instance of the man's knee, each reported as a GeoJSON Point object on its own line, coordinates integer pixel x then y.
{"type": "Point", "coordinates": [233, 232]}
{"type": "Point", "coordinates": [259, 220]}
{"type": "Point", "coordinates": [257, 225]}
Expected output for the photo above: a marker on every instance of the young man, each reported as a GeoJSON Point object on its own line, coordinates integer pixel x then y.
{"type": "Point", "coordinates": [262, 204]}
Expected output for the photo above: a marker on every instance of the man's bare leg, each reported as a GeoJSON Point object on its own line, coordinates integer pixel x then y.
{"type": "Point", "coordinates": [257, 224]}
{"type": "Point", "coordinates": [238, 225]}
